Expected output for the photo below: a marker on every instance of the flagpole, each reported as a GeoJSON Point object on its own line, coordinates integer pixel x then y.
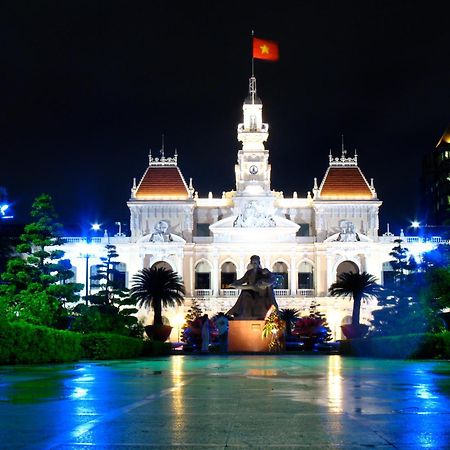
{"type": "Point", "coordinates": [253, 59]}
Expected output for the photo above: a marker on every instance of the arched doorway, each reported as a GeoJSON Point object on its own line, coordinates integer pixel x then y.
{"type": "Point", "coordinates": [161, 265]}
{"type": "Point", "coordinates": [346, 267]}
{"type": "Point", "coordinates": [305, 276]}
{"type": "Point", "coordinates": [228, 275]}
{"type": "Point", "coordinates": [202, 275]}
{"type": "Point", "coordinates": [280, 270]}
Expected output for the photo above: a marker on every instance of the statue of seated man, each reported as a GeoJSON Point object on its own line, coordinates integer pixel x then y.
{"type": "Point", "coordinates": [256, 295]}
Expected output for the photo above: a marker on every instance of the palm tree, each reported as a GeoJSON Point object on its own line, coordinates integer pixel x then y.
{"type": "Point", "coordinates": [289, 315]}
{"type": "Point", "coordinates": [156, 288]}
{"type": "Point", "coordinates": [360, 286]}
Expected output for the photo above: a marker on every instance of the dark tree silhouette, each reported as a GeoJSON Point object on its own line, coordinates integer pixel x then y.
{"type": "Point", "coordinates": [156, 288]}
{"type": "Point", "coordinates": [360, 286]}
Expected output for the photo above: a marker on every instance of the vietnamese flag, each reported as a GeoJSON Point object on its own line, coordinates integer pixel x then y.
{"type": "Point", "coordinates": [263, 49]}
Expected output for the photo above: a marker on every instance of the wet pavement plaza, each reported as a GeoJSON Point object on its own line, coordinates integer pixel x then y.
{"type": "Point", "coordinates": [202, 402]}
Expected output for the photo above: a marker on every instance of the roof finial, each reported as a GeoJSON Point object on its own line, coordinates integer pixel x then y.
{"type": "Point", "coordinates": [162, 145]}
{"type": "Point", "coordinates": [344, 152]}
{"type": "Point", "coordinates": [149, 155]}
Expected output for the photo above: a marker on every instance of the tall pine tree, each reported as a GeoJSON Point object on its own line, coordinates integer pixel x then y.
{"type": "Point", "coordinates": [37, 284]}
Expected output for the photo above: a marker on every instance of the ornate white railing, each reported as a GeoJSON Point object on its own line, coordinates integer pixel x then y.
{"type": "Point", "coordinates": [305, 292]}
{"type": "Point", "coordinates": [281, 292]}
{"type": "Point", "coordinates": [203, 292]}
{"type": "Point", "coordinates": [229, 292]}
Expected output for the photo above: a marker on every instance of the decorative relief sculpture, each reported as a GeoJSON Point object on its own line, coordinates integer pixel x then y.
{"type": "Point", "coordinates": [347, 233]}
{"type": "Point", "coordinates": [160, 232]}
{"type": "Point", "coordinates": [252, 218]}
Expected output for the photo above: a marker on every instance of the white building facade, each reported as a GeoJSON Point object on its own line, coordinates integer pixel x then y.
{"type": "Point", "coordinates": [208, 241]}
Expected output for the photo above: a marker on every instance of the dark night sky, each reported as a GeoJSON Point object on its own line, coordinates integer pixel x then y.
{"type": "Point", "coordinates": [88, 87]}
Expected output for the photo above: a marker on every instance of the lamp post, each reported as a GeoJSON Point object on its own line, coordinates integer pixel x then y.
{"type": "Point", "coordinates": [87, 253]}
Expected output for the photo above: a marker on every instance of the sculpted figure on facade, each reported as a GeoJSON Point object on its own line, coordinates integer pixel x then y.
{"type": "Point", "coordinates": [160, 232]}
{"type": "Point", "coordinates": [256, 295]}
{"type": "Point", "coordinates": [251, 217]}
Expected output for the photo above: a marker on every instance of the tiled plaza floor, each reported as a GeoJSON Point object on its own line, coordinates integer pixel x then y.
{"type": "Point", "coordinates": [230, 402]}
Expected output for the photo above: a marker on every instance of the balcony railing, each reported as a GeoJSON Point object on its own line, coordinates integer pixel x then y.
{"type": "Point", "coordinates": [281, 292]}
{"type": "Point", "coordinates": [229, 292]}
{"type": "Point", "coordinates": [203, 292]}
{"type": "Point", "coordinates": [305, 292]}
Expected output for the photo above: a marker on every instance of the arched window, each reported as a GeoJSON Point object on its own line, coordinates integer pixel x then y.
{"type": "Point", "coordinates": [388, 273]}
{"type": "Point", "coordinates": [281, 272]}
{"type": "Point", "coordinates": [227, 275]}
{"type": "Point", "coordinates": [305, 276]}
{"type": "Point", "coordinates": [162, 265]}
{"type": "Point", "coordinates": [202, 275]}
{"type": "Point", "coordinates": [345, 267]}
{"type": "Point", "coordinates": [120, 275]}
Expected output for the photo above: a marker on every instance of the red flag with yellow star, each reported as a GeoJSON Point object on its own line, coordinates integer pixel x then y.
{"type": "Point", "coordinates": [263, 49]}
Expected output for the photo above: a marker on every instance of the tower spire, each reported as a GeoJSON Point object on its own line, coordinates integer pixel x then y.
{"type": "Point", "coordinates": [162, 145]}
{"type": "Point", "coordinates": [344, 152]}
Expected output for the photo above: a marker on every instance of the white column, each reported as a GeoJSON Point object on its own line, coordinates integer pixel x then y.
{"type": "Point", "coordinates": [215, 276]}
{"type": "Point", "coordinates": [293, 276]}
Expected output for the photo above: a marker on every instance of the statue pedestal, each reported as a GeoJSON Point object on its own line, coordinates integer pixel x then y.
{"type": "Point", "coordinates": [246, 336]}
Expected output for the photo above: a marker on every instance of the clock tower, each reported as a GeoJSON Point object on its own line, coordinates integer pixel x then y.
{"type": "Point", "coordinates": [253, 169]}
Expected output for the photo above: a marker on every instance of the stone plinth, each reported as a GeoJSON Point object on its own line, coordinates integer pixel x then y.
{"type": "Point", "coordinates": [246, 336]}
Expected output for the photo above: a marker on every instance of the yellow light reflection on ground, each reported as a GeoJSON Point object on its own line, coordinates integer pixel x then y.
{"type": "Point", "coordinates": [334, 383]}
{"type": "Point", "coordinates": [177, 396]}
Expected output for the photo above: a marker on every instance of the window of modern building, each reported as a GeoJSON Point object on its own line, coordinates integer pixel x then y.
{"type": "Point", "coordinates": [228, 275]}
{"type": "Point", "coordinates": [202, 229]}
{"type": "Point", "coordinates": [280, 270]}
{"type": "Point", "coordinates": [305, 276]}
{"type": "Point", "coordinates": [202, 275]}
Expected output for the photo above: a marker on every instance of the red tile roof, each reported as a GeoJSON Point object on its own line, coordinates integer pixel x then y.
{"type": "Point", "coordinates": [344, 183]}
{"type": "Point", "coordinates": [165, 183]}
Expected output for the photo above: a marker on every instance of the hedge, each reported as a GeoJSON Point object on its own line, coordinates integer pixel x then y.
{"type": "Point", "coordinates": [415, 346]}
{"type": "Point", "coordinates": [23, 343]}
{"type": "Point", "coordinates": [110, 346]}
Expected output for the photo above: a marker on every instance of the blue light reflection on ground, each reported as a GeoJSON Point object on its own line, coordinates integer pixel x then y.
{"type": "Point", "coordinates": [322, 400]}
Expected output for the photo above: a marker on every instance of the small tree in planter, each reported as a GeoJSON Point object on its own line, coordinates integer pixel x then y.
{"type": "Point", "coordinates": [289, 315]}
{"type": "Point", "coordinates": [156, 288]}
{"type": "Point", "coordinates": [359, 286]}
{"type": "Point", "coordinates": [191, 331]}
{"type": "Point", "coordinates": [312, 329]}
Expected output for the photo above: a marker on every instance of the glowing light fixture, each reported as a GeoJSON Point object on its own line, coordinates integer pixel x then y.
{"type": "Point", "coordinates": [96, 226]}
{"type": "Point", "coordinates": [415, 224]}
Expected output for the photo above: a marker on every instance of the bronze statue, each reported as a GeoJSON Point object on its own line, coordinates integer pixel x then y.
{"type": "Point", "coordinates": [256, 295]}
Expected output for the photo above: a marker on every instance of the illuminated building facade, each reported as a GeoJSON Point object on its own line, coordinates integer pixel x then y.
{"type": "Point", "coordinates": [306, 241]}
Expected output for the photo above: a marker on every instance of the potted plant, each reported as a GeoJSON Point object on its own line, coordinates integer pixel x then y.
{"type": "Point", "coordinates": [156, 288]}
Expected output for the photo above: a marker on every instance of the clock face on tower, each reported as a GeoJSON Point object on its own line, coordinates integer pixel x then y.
{"type": "Point", "coordinates": [253, 170]}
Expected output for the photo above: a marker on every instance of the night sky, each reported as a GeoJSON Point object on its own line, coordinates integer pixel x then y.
{"type": "Point", "coordinates": [88, 87]}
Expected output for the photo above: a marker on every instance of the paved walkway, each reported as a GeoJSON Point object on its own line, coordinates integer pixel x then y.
{"type": "Point", "coordinates": [209, 402]}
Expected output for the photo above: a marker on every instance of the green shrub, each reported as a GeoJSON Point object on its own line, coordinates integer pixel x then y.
{"type": "Point", "coordinates": [23, 343]}
{"type": "Point", "coordinates": [110, 346]}
{"type": "Point", "coordinates": [155, 348]}
{"type": "Point", "coordinates": [418, 346]}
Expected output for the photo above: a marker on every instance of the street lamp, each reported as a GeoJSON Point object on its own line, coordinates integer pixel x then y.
{"type": "Point", "coordinates": [86, 252]}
